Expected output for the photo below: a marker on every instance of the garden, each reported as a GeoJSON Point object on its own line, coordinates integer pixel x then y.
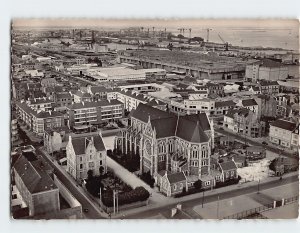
{"type": "Point", "coordinates": [108, 183]}
{"type": "Point", "coordinates": [130, 161]}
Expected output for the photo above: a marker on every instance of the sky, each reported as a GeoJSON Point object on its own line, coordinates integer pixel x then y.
{"type": "Point", "coordinates": [158, 23]}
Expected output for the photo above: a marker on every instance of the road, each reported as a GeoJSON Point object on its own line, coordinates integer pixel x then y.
{"type": "Point", "coordinates": [255, 143]}
{"type": "Point", "coordinates": [188, 204]}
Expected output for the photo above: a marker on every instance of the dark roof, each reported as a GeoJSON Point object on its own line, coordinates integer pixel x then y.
{"type": "Point", "coordinates": [268, 83]}
{"type": "Point", "coordinates": [240, 111]}
{"type": "Point", "coordinates": [164, 127]}
{"type": "Point", "coordinates": [63, 95]}
{"type": "Point", "coordinates": [41, 101]}
{"type": "Point", "coordinates": [249, 102]}
{"type": "Point", "coordinates": [34, 178]}
{"type": "Point", "coordinates": [228, 165]}
{"type": "Point", "coordinates": [225, 103]}
{"type": "Point", "coordinates": [176, 177]}
{"type": "Point", "coordinates": [80, 143]}
{"type": "Point", "coordinates": [283, 124]}
{"type": "Point", "coordinates": [98, 89]}
{"type": "Point", "coordinates": [144, 111]}
{"type": "Point", "coordinates": [94, 104]}
{"type": "Point", "coordinates": [255, 88]}
{"type": "Point", "coordinates": [190, 127]}
{"type": "Point", "coordinates": [270, 63]}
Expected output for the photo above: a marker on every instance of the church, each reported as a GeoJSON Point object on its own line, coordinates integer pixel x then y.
{"type": "Point", "coordinates": [170, 144]}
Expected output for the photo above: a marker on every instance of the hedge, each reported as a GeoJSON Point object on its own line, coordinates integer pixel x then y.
{"type": "Point", "coordinates": [138, 194]}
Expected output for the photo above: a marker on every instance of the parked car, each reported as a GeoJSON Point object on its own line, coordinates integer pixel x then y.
{"type": "Point", "coordinates": [264, 143]}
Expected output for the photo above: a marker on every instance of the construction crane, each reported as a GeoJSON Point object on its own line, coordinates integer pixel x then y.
{"type": "Point", "coordinates": [207, 34]}
{"type": "Point", "coordinates": [225, 43]}
{"type": "Point", "coordinates": [190, 35]}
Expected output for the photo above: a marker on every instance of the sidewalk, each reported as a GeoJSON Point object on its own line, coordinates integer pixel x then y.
{"type": "Point", "coordinates": [173, 201]}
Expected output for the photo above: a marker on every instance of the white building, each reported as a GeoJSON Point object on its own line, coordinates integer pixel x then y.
{"type": "Point", "coordinates": [86, 153]}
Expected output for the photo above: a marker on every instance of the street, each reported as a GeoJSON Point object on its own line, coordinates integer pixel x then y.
{"type": "Point", "coordinates": [190, 204]}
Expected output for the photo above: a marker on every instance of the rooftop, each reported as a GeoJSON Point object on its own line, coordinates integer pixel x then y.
{"type": "Point", "coordinates": [34, 178]}
{"type": "Point", "coordinates": [80, 143]}
{"type": "Point", "coordinates": [284, 124]}
{"type": "Point", "coordinates": [100, 103]}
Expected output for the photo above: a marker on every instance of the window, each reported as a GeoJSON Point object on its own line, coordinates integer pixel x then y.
{"type": "Point", "coordinates": [80, 166]}
{"type": "Point", "coordinates": [207, 183]}
{"type": "Point", "coordinates": [195, 163]}
{"type": "Point", "coordinates": [232, 173]}
{"type": "Point", "coordinates": [91, 164]}
{"type": "Point", "coordinates": [100, 162]}
{"type": "Point", "coordinates": [80, 158]}
{"type": "Point", "coordinates": [217, 177]}
{"type": "Point", "coordinates": [14, 196]}
{"type": "Point", "coordinates": [174, 186]}
{"type": "Point", "coordinates": [181, 185]}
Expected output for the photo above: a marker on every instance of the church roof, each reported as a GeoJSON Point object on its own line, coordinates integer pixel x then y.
{"type": "Point", "coordinates": [190, 127]}
{"type": "Point", "coordinates": [143, 112]}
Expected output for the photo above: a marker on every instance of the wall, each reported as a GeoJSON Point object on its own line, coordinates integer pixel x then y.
{"type": "Point", "coordinates": [46, 202]}
{"type": "Point", "coordinates": [67, 195]}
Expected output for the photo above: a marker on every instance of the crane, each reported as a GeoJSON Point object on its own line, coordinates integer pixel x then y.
{"type": "Point", "coordinates": [225, 43]}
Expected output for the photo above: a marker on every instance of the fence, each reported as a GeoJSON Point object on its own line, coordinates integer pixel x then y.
{"type": "Point", "coordinates": [260, 209]}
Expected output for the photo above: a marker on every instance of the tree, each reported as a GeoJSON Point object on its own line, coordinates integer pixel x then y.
{"type": "Point", "coordinates": [197, 38]}
{"type": "Point", "coordinates": [180, 36]}
{"type": "Point", "coordinates": [272, 165]}
{"type": "Point", "coordinates": [101, 170]}
{"type": "Point", "coordinates": [198, 184]}
{"type": "Point", "coordinates": [90, 174]}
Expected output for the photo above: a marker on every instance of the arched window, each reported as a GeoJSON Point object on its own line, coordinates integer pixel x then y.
{"type": "Point", "coordinates": [148, 147]}
{"type": "Point", "coordinates": [170, 147]}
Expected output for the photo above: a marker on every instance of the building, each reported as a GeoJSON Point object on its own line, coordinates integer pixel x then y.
{"type": "Point", "coordinates": [166, 142]}
{"type": "Point", "coordinates": [266, 70]}
{"type": "Point", "coordinates": [48, 82]}
{"type": "Point", "coordinates": [63, 99]}
{"type": "Point", "coordinates": [281, 132]}
{"type": "Point", "coordinates": [80, 96]}
{"type": "Point", "coordinates": [36, 187]}
{"type": "Point", "coordinates": [215, 89]}
{"type": "Point", "coordinates": [55, 139]}
{"type": "Point", "coordinates": [172, 183]}
{"type": "Point", "coordinates": [38, 121]}
{"type": "Point", "coordinates": [228, 171]}
{"type": "Point", "coordinates": [249, 104]}
{"type": "Point", "coordinates": [41, 104]}
{"type": "Point", "coordinates": [94, 113]}
{"type": "Point", "coordinates": [85, 153]}
{"type": "Point", "coordinates": [283, 105]}
{"type": "Point", "coordinates": [255, 153]}
{"type": "Point", "coordinates": [14, 130]}
{"type": "Point", "coordinates": [245, 122]}
{"type": "Point", "coordinates": [267, 105]}
{"type": "Point", "coordinates": [98, 92]}
{"type": "Point", "coordinates": [115, 74]}
{"type": "Point", "coordinates": [201, 66]}
{"type": "Point", "coordinates": [268, 87]}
